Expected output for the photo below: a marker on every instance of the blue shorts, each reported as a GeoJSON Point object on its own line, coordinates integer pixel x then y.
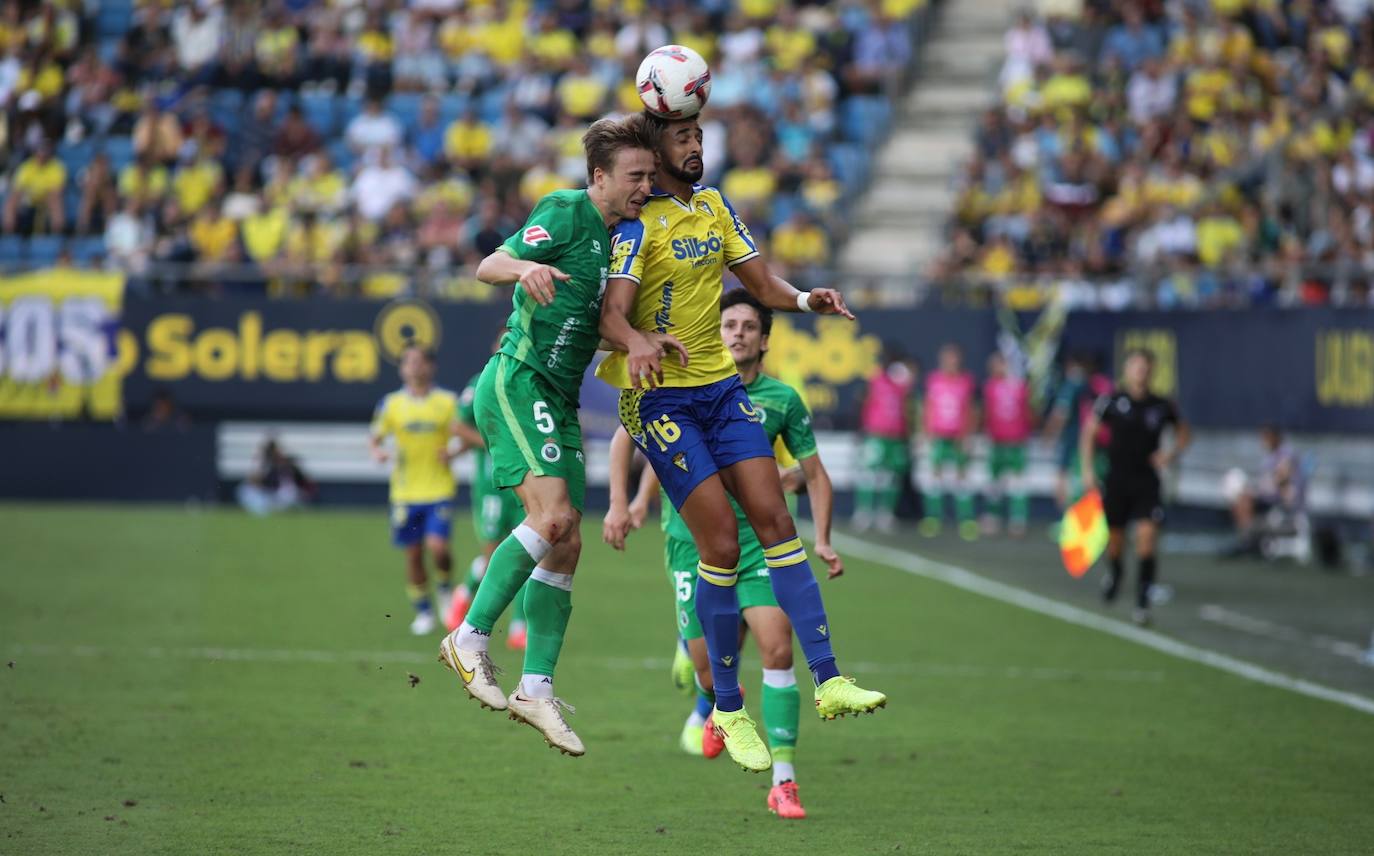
{"type": "Point", "coordinates": [414, 521]}
{"type": "Point", "coordinates": [690, 433]}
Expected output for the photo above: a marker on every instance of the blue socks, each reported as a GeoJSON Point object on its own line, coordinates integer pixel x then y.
{"type": "Point", "coordinates": [718, 612]}
{"type": "Point", "coordinates": [795, 588]}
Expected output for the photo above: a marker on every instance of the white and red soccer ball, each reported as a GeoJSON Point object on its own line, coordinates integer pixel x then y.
{"type": "Point", "coordinates": [673, 82]}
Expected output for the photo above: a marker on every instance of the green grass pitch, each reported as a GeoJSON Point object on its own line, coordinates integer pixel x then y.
{"type": "Point", "coordinates": [202, 682]}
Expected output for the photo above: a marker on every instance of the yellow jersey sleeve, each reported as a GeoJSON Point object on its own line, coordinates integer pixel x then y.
{"type": "Point", "coordinates": [627, 258]}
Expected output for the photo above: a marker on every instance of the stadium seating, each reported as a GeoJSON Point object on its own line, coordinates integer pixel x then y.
{"type": "Point", "coordinates": [331, 92]}
{"type": "Point", "coordinates": [1203, 154]}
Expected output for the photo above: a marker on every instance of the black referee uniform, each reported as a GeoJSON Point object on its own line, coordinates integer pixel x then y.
{"type": "Point", "coordinates": [1131, 490]}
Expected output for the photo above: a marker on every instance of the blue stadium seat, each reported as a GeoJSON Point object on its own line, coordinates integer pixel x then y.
{"type": "Point", "coordinates": [405, 106]}
{"type": "Point", "coordinates": [12, 250]}
{"type": "Point", "coordinates": [784, 205]}
{"type": "Point", "coordinates": [347, 108]}
{"type": "Point", "coordinates": [451, 106]}
{"type": "Point", "coordinates": [850, 165]}
{"type": "Point", "coordinates": [226, 105]}
{"type": "Point", "coordinates": [318, 108]}
{"type": "Point", "coordinates": [108, 48]}
{"type": "Point", "coordinates": [120, 151]}
{"type": "Point", "coordinates": [115, 17]}
{"type": "Point", "coordinates": [493, 105]}
{"type": "Point", "coordinates": [71, 197]}
{"type": "Point", "coordinates": [43, 249]}
{"type": "Point", "coordinates": [865, 118]}
{"type": "Point", "coordinates": [87, 250]}
{"type": "Point", "coordinates": [341, 154]}
{"type": "Point", "coordinates": [75, 156]}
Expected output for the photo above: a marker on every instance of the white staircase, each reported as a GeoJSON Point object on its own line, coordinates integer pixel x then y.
{"type": "Point", "coordinates": [900, 220]}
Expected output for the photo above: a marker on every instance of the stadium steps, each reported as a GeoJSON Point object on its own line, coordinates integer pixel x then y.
{"type": "Point", "coordinates": [901, 219]}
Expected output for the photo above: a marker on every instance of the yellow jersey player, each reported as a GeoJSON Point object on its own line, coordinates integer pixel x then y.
{"type": "Point", "coordinates": [695, 422]}
{"type": "Point", "coordinates": [419, 417]}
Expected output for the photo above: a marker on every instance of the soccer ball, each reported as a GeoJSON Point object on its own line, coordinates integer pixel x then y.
{"type": "Point", "coordinates": [673, 82]}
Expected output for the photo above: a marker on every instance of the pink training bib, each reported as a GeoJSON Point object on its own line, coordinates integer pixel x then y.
{"type": "Point", "coordinates": [948, 399]}
{"type": "Point", "coordinates": [1007, 409]}
{"type": "Point", "coordinates": [884, 412]}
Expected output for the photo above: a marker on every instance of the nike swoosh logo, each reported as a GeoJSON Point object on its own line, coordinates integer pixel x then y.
{"type": "Point", "coordinates": [466, 674]}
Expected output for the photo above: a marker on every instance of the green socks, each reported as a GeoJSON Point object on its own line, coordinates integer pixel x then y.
{"type": "Point", "coordinates": [781, 711]}
{"type": "Point", "coordinates": [510, 566]}
{"type": "Point", "coordinates": [548, 604]}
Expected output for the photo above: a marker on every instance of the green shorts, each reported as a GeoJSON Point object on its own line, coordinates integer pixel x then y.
{"type": "Point", "coordinates": [889, 454]}
{"type": "Point", "coordinates": [753, 588]}
{"type": "Point", "coordinates": [495, 513]}
{"type": "Point", "coordinates": [529, 427]}
{"type": "Point", "coordinates": [948, 450]}
{"type": "Point", "coordinates": [1006, 459]}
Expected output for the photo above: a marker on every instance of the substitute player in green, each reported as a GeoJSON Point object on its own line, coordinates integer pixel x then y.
{"type": "Point", "coordinates": [745, 324]}
{"type": "Point", "coordinates": [495, 514]}
{"type": "Point", "coordinates": [526, 410]}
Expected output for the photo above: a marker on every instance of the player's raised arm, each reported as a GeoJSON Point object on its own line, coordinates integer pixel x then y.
{"type": "Point", "coordinates": [778, 294]}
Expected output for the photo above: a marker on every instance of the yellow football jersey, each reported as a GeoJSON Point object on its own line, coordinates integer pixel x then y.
{"type": "Point", "coordinates": [422, 426]}
{"type": "Point", "coordinates": [677, 252]}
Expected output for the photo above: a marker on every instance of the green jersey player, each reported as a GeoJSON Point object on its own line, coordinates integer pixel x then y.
{"type": "Point", "coordinates": [744, 324]}
{"type": "Point", "coordinates": [526, 410]}
{"type": "Point", "coordinates": [495, 514]}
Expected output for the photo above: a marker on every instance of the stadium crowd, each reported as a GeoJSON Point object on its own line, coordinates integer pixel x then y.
{"type": "Point", "coordinates": [1185, 153]}
{"type": "Point", "coordinates": [303, 146]}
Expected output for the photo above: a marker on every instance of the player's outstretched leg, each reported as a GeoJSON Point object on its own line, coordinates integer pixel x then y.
{"type": "Point", "coordinates": [718, 612]}
{"type": "Point", "coordinates": [781, 706]}
{"type": "Point", "coordinates": [548, 605]}
{"type": "Point", "coordinates": [754, 483]}
{"type": "Point", "coordinates": [465, 649]}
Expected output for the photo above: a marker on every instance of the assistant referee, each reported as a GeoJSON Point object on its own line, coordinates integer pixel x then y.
{"type": "Point", "coordinates": [1136, 419]}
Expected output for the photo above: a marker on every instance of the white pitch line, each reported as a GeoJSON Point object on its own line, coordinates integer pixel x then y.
{"type": "Point", "coordinates": [1279, 632]}
{"type": "Point", "coordinates": [968, 581]}
{"type": "Point", "coordinates": [620, 664]}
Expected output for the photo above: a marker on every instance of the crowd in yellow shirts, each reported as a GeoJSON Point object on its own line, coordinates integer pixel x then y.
{"type": "Point", "coordinates": [1172, 154]}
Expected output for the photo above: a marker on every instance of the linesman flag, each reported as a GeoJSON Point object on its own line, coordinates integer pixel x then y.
{"type": "Point", "coordinates": [1083, 534]}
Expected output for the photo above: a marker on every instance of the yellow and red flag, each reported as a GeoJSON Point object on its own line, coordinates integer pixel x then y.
{"type": "Point", "coordinates": [1083, 534]}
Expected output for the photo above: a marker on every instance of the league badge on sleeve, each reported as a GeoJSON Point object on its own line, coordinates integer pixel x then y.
{"type": "Point", "coordinates": [536, 235]}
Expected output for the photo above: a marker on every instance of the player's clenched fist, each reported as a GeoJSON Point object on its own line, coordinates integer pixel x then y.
{"type": "Point", "coordinates": [540, 281]}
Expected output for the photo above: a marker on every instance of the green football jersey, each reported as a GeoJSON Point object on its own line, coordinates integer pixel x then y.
{"type": "Point", "coordinates": [784, 415]}
{"type": "Point", "coordinates": [564, 230]}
